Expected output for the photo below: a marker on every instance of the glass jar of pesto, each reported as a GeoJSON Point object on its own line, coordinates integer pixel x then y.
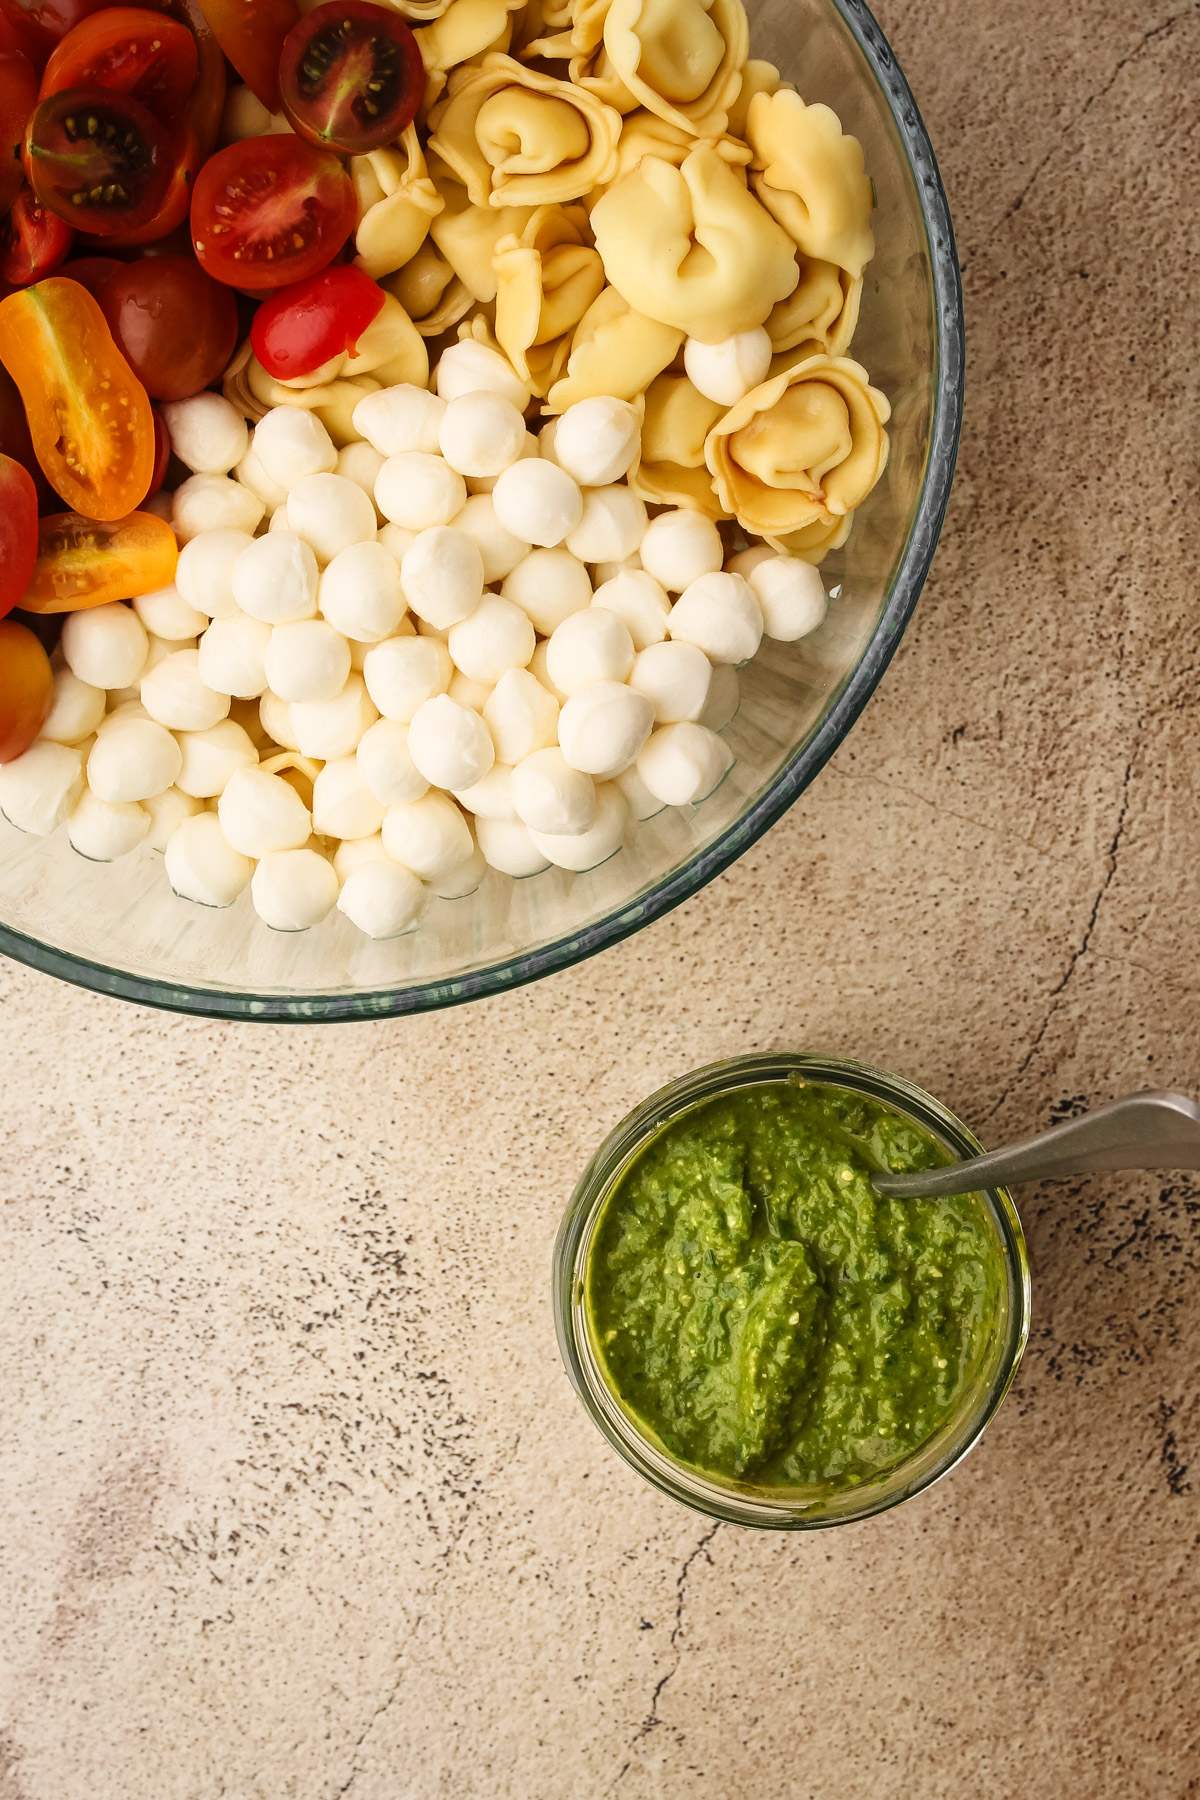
{"type": "Point", "coordinates": [758, 1332]}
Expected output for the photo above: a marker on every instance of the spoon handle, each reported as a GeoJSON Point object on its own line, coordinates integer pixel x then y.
{"type": "Point", "coordinates": [1153, 1130]}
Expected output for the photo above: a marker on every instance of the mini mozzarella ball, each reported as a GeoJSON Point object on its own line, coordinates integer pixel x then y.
{"type": "Point", "coordinates": [545, 439]}
{"type": "Point", "coordinates": [343, 805]}
{"type": "Point", "coordinates": [596, 440]}
{"type": "Point", "coordinates": [204, 572]}
{"type": "Point", "coordinates": [157, 651]}
{"type": "Point", "coordinates": [472, 694]}
{"type": "Point", "coordinates": [791, 596]}
{"type": "Point", "coordinates": [211, 758]}
{"type": "Point", "coordinates": [165, 812]}
{"type": "Point", "coordinates": [521, 715]}
{"type": "Point", "coordinates": [400, 418]}
{"type": "Point", "coordinates": [327, 729]}
{"type": "Point", "coordinates": [612, 526]}
{"type": "Point", "coordinates": [105, 646]}
{"type": "Point", "coordinates": [417, 490]}
{"type": "Point", "coordinates": [75, 710]}
{"type": "Point", "coordinates": [490, 797]}
{"type": "Point", "coordinates": [588, 849]}
{"type": "Point", "coordinates": [725, 371]}
{"type": "Point", "coordinates": [481, 433]}
{"type": "Point", "coordinates": [383, 899]}
{"type": "Point", "coordinates": [278, 520]}
{"type": "Point", "coordinates": [548, 586]}
{"type": "Point", "coordinates": [132, 758]}
{"type": "Point", "coordinates": [207, 434]}
{"type": "Point", "coordinates": [463, 879]}
{"type": "Point", "coordinates": [386, 766]}
{"type": "Point", "coordinates": [468, 368]}
{"type": "Point", "coordinates": [724, 697]}
{"type": "Point", "coordinates": [307, 661]}
{"type": "Point", "coordinates": [641, 802]}
{"type": "Point", "coordinates": [679, 547]}
{"type": "Point", "coordinates": [291, 443]}
{"type": "Point", "coordinates": [602, 727]}
{"type": "Point", "coordinates": [500, 550]}
{"type": "Point", "coordinates": [442, 576]}
{"type": "Point", "coordinates": [683, 764]}
{"type": "Point", "coordinates": [330, 513]}
{"type": "Point", "coordinates": [508, 845]}
{"type": "Point", "coordinates": [359, 592]}
{"type": "Point", "coordinates": [275, 579]}
{"type": "Point", "coordinates": [293, 890]}
{"type": "Point", "coordinates": [275, 717]}
{"type": "Point", "coordinates": [538, 668]}
{"type": "Point", "coordinates": [356, 853]}
{"type": "Point", "coordinates": [606, 571]}
{"type": "Point", "coordinates": [593, 645]}
{"type": "Point", "coordinates": [175, 693]}
{"type": "Point", "coordinates": [403, 673]}
{"type": "Point", "coordinates": [549, 795]}
{"type": "Point", "coordinates": [675, 678]}
{"type": "Point", "coordinates": [202, 865]}
{"type": "Point", "coordinates": [396, 539]}
{"type": "Point", "coordinates": [260, 812]}
{"type": "Point", "coordinates": [102, 830]}
{"type": "Point", "coordinates": [360, 462]}
{"type": "Point", "coordinates": [537, 501]}
{"type": "Point", "coordinates": [39, 788]}
{"type": "Point", "coordinates": [745, 560]}
{"type": "Point", "coordinates": [497, 637]}
{"type": "Point", "coordinates": [428, 836]}
{"type": "Point", "coordinates": [721, 616]}
{"type": "Point", "coordinates": [214, 503]}
{"type": "Point", "coordinates": [449, 744]}
{"type": "Point", "coordinates": [485, 484]}
{"type": "Point", "coordinates": [166, 614]}
{"type": "Point", "coordinates": [639, 602]}
{"type": "Point", "coordinates": [232, 656]}
{"type": "Point", "coordinates": [251, 474]}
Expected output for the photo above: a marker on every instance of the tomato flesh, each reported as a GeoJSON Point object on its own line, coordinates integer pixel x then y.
{"type": "Point", "coordinates": [251, 33]}
{"type": "Point", "coordinates": [33, 241]}
{"type": "Point", "coordinates": [40, 24]}
{"type": "Point", "coordinates": [175, 325]}
{"type": "Point", "coordinates": [302, 326]}
{"type": "Point", "coordinates": [128, 50]}
{"type": "Point", "coordinates": [18, 531]}
{"type": "Point", "coordinates": [351, 76]}
{"type": "Point", "coordinates": [89, 415]}
{"type": "Point", "coordinates": [18, 97]}
{"type": "Point", "coordinates": [202, 111]}
{"type": "Point", "coordinates": [26, 689]}
{"type": "Point", "coordinates": [100, 160]}
{"type": "Point", "coordinates": [82, 562]}
{"type": "Point", "coordinates": [270, 211]}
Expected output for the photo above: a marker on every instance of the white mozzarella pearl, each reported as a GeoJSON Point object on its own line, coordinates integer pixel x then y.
{"type": "Point", "coordinates": [490, 797]}
{"type": "Point", "coordinates": [76, 709]}
{"type": "Point", "coordinates": [428, 836]}
{"type": "Point", "coordinates": [724, 372]}
{"type": "Point", "coordinates": [275, 579]}
{"type": "Point", "coordinates": [39, 788]}
{"type": "Point", "coordinates": [463, 879]}
{"type": "Point", "coordinates": [588, 849]}
{"type": "Point", "coordinates": [537, 501]}
{"type": "Point", "coordinates": [639, 602]}
{"type": "Point", "coordinates": [468, 367]}
{"type": "Point", "coordinates": [485, 484]}
{"type": "Point", "coordinates": [105, 646]}
{"type": "Point", "coordinates": [343, 804]}
{"type": "Point", "coordinates": [360, 463]}
{"type": "Point", "coordinates": [597, 439]}
{"type": "Point", "coordinates": [275, 717]}
{"type": "Point", "coordinates": [442, 576]}
{"type": "Point", "coordinates": [260, 812]}
{"type": "Point", "coordinates": [500, 550]}
{"type": "Point", "coordinates": [721, 616]}
{"type": "Point", "coordinates": [330, 513]}
{"type": "Point", "coordinates": [214, 503]}
{"type": "Point", "coordinates": [548, 586]}
{"type": "Point", "coordinates": [132, 758]}
{"type": "Point", "coordinates": [278, 520]}
{"type": "Point", "coordinates": [497, 637]}
{"type": "Point", "coordinates": [207, 434]}
{"type": "Point", "coordinates": [293, 890]}
{"type": "Point", "coordinates": [291, 443]}
{"type": "Point", "coordinates": [400, 418]}
{"type": "Point", "coordinates": [166, 614]}
{"type": "Point", "coordinates": [545, 439]}
{"type": "Point", "coordinates": [383, 899]}
{"type": "Point", "coordinates": [327, 729]}
{"type": "Point", "coordinates": [386, 767]}
{"type": "Point", "coordinates": [157, 651]}
{"type": "Point", "coordinates": [679, 547]}
{"type": "Point", "coordinates": [202, 865]}
{"type": "Point", "coordinates": [251, 474]}
{"type": "Point", "coordinates": [791, 596]}
{"type": "Point", "coordinates": [211, 757]}
{"type": "Point", "coordinates": [165, 811]}
{"type": "Point", "coordinates": [593, 645]}
{"type": "Point", "coordinates": [481, 434]}
{"type": "Point", "coordinates": [359, 593]}
{"type": "Point", "coordinates": [508, 845]}
{"type": "Point", "coordinates": [602, 727]}
{"type": "Point", "coordinates": [641, 802]}
{"type": "Point", "coordinates": [425, 629]}
{"type": "Point", "coordinates": [356, 853]}
{"type": "Point", "coordinates": [549, 795]}
{"type": "Point", "coordinates": [605, 571]}
{"type": "Point", "coordinates": [402, 673]}
{"type": "Point", "coordinates": [417, 490]}
{"type": "Point", "coordinates": [232, 656]}
{"type": "Point", "coordinates": [675, 678]}
{"type": "Point", "coordinates": [745, 560]}
{"type": "Point", "coordinates": [724, 697]}
{"type": "Point", "coordinates": [538, 667]}
{"type": "Point", "coordinates": [307, 661]}
{"type": "Point", "coordinates": [396, 539]}
{"type": "Point", "coordinates": [175, 693]}
{"type": "Point", "coordinates": [521, 715]}
{"type": "Point", "coordinates": [449, 744]}
{"type": "Point", "coordinates": [683, 764]}
{"type": "Point", "coordinates": [612, 526]}
{"type": "Point", "coordinates": [204, 572]}
{"type": "Point", "coordinates": [472, 694]}
{"type": "Point", "coordinates": [102, 830]}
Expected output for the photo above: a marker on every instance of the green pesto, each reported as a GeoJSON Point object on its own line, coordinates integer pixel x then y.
{"type": "Point", "coordinates": [765, 1314]}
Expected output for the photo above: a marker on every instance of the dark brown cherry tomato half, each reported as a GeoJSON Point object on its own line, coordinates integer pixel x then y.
{"type": "Point", "coordinates": [176, 201]}
{"type": "Point", "coordinates": [251, 33]}
{"type": "Point", "coordinates": [18, 531]}
{"type": "Point", "coordinates": [101, 161]}
{"type": "Point", "coordinates": [270, 211]}
{"type": "Point", "coordinates": [33, 241]}
{"type": "Point", "coordinates": [175, 325]}
{"type": "Point", "coordinates": [40, 24]}
{"type": "Point", "coordinates": [18, 97]}
{"type": "Point", "coordinates": [302, 326]}
{"type": "Point", "coordinates": [26, 689]}
{"type": "Point", "coordinates": [129, 50]}
{"type": "Point", "coordinates": [351, 76]}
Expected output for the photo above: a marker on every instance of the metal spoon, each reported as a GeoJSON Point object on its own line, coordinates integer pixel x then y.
{"type": "Point", "coordinates": [1154, 1130]}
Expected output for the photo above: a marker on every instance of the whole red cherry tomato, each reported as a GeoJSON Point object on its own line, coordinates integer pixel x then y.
{"type": "Point", "coordinates": [18, 531]}
{"type": "Point", "coordinates": [251, 33]}
{"type": "Point", "coordinates": [100, 160]}
{"type": "Point", "coordinates": [26, 689]}
{"type": "Point", "coordinates": [270, 211]}
{"type": "Point", "coordinates": [16, 442]}
{"type": "Point", "coordinates": [40, 24]}
{"type": "Point", "coordinates": [129, 50]}
{"type": "Point", "coordinates": [18, 97]}
{"type": "Point", "coordinates": [33, 241]}
{"type": "Point", "coordinates": [162, 455]}
{"type": "Point", "coordinates": [302, 326]}
{"type": "Point", "coordinates": [176, 326]}
{"type": "Point", "coordinates": [351, 76]}
{"type": "Point", "coordinates": [91, 272]}
{"type": "Point", "coordinates": [82, 562]}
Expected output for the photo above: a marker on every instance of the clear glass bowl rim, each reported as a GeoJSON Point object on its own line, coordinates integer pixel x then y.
{"type": "Point", "coordinates": [806, 761]}
{"type": "Point", "coordinates": [605, 1168]}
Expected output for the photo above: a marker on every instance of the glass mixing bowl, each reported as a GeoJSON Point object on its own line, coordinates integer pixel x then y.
{"type": "Point", "coordinates": [119, 928]}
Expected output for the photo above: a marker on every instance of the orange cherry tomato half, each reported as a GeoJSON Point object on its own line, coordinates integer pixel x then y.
{"type": "Point", "coordinates": [100, 160]}
{"type": "Point", "coordinates": [271, 210]}
{"type": "Point", "coordinates": [26, 689]}
{"type": "Point", "coordinates": [131, 51]}
{"type": "Point", "coordinates": [84, 562]}
{"type": "Point", "coordinates": [17, 83]}
{"type": "Point", "coordinates": [251, 33]}
{"type": "Point", "coordinates": [18, 531]}
{"type": "Point", "coordinates": [89, 415]}
{"type": "Point", "coordinates": [33, 241]}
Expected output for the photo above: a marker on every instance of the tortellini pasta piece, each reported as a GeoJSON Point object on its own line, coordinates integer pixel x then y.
{"type": "Point", "coordinates": [671, 469]}
{"type": "Point", "coordinates": [417, 12]}
{"type": "Point", "coordinates": [823, 310]}
{"type": "Point", "coordinates": [810, 176]}
{"type": "Point", "coordinates": [391, 349]}
{"type": "Point", "coordinates": [693, 247]}
{"type": "Point", "coordinates": [803, 449]}
{"type": "Point", "coordinates": [616, 351]}
{"type": "Point", "coordinates": [430, 292]}
{"type": "Point", "coordinates": [681, 59]}
{"type": "Point", "coordinates": [645, 134]}
{"type": "Point", "coordinates": [396, 201]}
{"type": "Point", "coordinates": [466, 30]}
{"type": "Point", "coordinates": [757, 78]}
{"type": "Point", "coordinates": [545, 281]}
{"type": "Point", "coordinates": [516, 137]}
{"type": "Point", "coordinates": [814, 542]}
{"type": "Point", "coordinates": [249, 388]}
{"type": "Point", "coordinates": [467, 236]}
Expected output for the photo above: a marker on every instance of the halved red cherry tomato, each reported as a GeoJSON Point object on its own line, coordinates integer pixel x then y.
{"type": "Point", "coordinates": [18, 97]}
{"type": "Point", "coordinates": [82, 563]}
{"type": "Point", "coordinates": [18, 531]}
{"type": "Point", "coordinates": [33, 241]}
{"type": "Point", "coordinates": [270, 211]}
{"type": "Point", "coordinates": [88, 413]}
{"type": "Point", "coordinates": [251, 33]}
{"type": "Point", "coordinates": [101, 161]}
{"type": "Point", "coordinates": [176, 201]}
{"type": "Point", "coordinates": [351, 76]}
{"type": "Point", "coordinates": [128, 50]}
{"type": "Point", "coordinates": [26, 689]}
{"type": "Point", "coordinates": [302, 326]}
{"type": "Point", "coordinates": [202, 113]}
{"type": "Point", "coordinates": [40, 24]}
{"type": "Point", "coordinates": [177, 327]}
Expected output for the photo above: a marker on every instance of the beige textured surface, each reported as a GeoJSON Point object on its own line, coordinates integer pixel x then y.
{"type": "Point", "coordinates": [295, 1499]}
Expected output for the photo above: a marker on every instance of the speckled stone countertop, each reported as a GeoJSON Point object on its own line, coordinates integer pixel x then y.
{"type": "Point", "coordinates": [295, 1500]}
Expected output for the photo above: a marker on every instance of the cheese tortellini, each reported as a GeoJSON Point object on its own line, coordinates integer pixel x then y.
{"type": "Point", "coordinates": [681, 59]}
{"type": "Point", "coordinates": [466, 30]}
{"type": "Point", "coordinates": [615, 351]}
{"type": "Point", "coordinates": [430, 292]}
{"type": "Point", "coordinates": [810, 176]}
{"type": "Point", "coordinates": [396, 201]}
{"type": "Point", "coordinates": [671, 469]}
{"type": "Point", "coordinates": [822, 311]}
{"type": "Point", "coordinates": [545, 281]}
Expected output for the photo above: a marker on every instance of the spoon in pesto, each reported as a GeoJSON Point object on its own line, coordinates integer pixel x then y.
{"type": "Point", "coordinates": [1152, 1130]}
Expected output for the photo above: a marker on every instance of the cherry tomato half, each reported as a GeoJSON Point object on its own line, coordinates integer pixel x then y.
{"type": "Point", "coordinates": [251, 33]}
{"type": "Point", "coordinates": [82, 563]}
{"type": "Point", "coordinates": [89, 415]}
{"type": "Point", "coordinates": [351, 76]}
{"type": "Point", "coordinates": [128, 50]}
{"type": "Point", "coordinates": [18, 97]}
{"type": "Point", "coordinates": [202, 112]}
{"type": "Point", "coordinates": [173, 210]}
{"type": "Point", "coordinates": [18, 531]}
{"type": "Point", "coordinates": [177, 327]}
{"type": "Point", "coordinates": [270, 211]}
{"type": "Point", "coordinates": [33, 241]}
{"type": "Point", "coordinates": [26, 689]}
{"type": "Point", "coordinates": [101, 161]}
{"type": "Point", "coordinates": [40, 24]}
{"type": "Point", "coordinates": [302, 326]}
{"type": "Point", "coordinates": [16, 442]}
